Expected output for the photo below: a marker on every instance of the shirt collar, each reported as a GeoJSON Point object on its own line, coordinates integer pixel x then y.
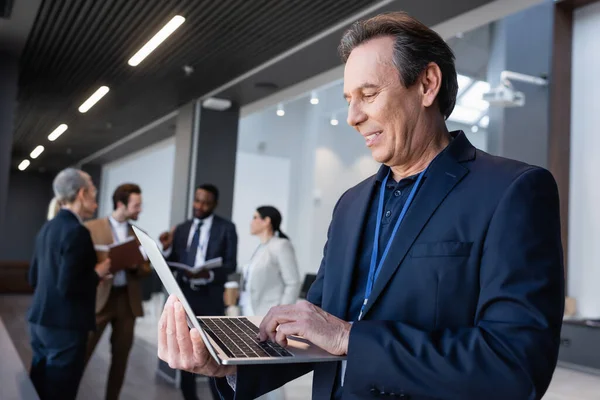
{"type": "Point", "coordinates": [117, 223]}
{"type": "Point", "coordinates": [384, 170]}
{"type": "Point", "coordinates": [206, 221]}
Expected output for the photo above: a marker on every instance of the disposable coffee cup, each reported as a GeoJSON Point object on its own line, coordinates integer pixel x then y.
{"type": "Point", "coordinates": [230, 297]}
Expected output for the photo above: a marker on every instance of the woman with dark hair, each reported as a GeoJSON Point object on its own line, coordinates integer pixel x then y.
{"type": "Point", "coordinates": [271, 276]}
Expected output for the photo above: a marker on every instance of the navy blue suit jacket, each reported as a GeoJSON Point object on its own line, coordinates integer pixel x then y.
{"type": "Point", "coordinates": [469, 301]}
{"type": "Point", "coordinates": [63, 276]}
{"type": "Point", "coordinates": [222, 242]}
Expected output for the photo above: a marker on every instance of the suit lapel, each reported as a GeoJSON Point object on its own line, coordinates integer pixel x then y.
{"type": "Point", "coordinates": [443, 175]}
{"type": "Point", "coordinates": [355, 213]}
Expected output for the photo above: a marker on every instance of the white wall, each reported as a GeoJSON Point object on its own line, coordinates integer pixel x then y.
{"type": "Point", "coordinates": [259, 180]}
{"type": "Point", "coordinates": [584, 213]}
{"type": "Point", "coordinates": [266, 135]}
{"type": "Point", "coordinates": [152, 169]}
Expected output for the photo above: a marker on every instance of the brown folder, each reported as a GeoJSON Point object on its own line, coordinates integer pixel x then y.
{"type": "Point", "coordinates": [122, 255]}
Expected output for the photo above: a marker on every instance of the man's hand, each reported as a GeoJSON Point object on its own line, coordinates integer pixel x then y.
{"type": "Point", "coordinates": [166, 239]}
{"type": "Point", "coordinates": [308, 321]}
{"type": "Point", "coordinates": [103, 268]}
{"type": "Point", "coordinates": [183, 348]}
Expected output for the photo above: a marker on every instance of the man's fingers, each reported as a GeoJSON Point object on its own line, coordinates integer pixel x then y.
{"type": "Point", "coordinates": [162, 335]}
{"type": "Point", "coordinates": [199, 349]}
{"type": "Point", "coordinates": [276, 316]}
{"type": "Point", "coordinates": [270, 328]}
{"type": "Point", "coordinates": [290, 329]}
{"type": "Point", "coordinates": [182, 333]}
{"type": "Point", "coordinates": [280, 337]}
{"type": "Point", "coordinates": [172, 346]}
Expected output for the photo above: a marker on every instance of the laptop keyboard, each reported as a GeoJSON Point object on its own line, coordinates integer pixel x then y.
{"type": "Point", "coordinates": [237, 338]}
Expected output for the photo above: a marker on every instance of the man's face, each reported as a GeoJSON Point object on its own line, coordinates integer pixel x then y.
{"type": "Point", "coordinates": [380, 108]}
{"type": "Point", "coordinates": [204, 204]}
{"type": "Point", "coordinates": [133, 207]}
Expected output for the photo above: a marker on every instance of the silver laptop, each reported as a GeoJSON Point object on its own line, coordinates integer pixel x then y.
{"type": "Point", "coordinates": [232, 340]}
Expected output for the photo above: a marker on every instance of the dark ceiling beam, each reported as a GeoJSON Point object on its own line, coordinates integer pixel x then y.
{"type": "Point", "coordinates": [14, 31]}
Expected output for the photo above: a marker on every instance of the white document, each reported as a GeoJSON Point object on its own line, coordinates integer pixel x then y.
{"type": "Point", "coordinates": [208, 265]}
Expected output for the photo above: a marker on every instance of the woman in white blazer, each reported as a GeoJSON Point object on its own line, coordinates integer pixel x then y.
{"type": "Point", "coordinates": [271, 276]}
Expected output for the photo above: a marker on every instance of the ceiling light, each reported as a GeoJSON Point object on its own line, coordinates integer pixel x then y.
{"type": "Point", "coordinates": [212, 103]}
{"type": "Point", "coordinates": [314, 100]}
{"type": "Point", "coordinates": [465, 115]}
{"type": "Point", "coordinates": [473, 96]}
{"type": "Point", "coordinates": [280, 110]}
{"type": "Point", "coordinates": [24, 164]}
{"type": "Point", "coordinates": [485, 121]}
{"type": "Point", "coordinates": [474, 129]}
{"type": "Point", "coordinates": [89, 103]}
{"type": "Point", "coordinates": [36, 152]}
{"type": "Point", "coordinates": [156, 40]}
{"type": "Point", "coordinates": [334, 121]}
{"type": "Point", "coordinates": [57, 132]}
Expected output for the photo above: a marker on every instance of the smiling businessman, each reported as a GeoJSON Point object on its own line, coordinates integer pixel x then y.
{"type": "Point", "coordinates": [442, 275]}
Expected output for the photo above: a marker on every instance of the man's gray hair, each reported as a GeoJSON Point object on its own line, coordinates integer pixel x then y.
{"type": "Point", "coordinates": [68, 183]}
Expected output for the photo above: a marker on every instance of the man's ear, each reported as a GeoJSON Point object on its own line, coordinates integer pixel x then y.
{"type": "Point", "coordinates": [431, 82]}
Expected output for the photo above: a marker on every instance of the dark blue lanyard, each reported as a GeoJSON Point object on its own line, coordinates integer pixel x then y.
{"type": "Point", "coordinates": [375, 268]}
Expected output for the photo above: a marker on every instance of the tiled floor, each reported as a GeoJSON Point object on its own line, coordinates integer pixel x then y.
{"type": "Point", "coordinates": [142, 383]}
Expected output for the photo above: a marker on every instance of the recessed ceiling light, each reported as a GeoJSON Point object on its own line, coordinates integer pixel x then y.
{"type": "Point", "coordinates": [36, 152]}
{"type": "Point", "coordinates": [57, 132]}
{"type": "Point", "coordinates": [334, 121]}
{"type": "Point", "coordinates": [156, 40]}
{"type": "Point", "coordinates": [314, 99]}
{"type": "Point", "coordinates": [280, 110]}
{"type": "Point", "coordinates": [89, 103]}
{"type": "Point", "coordinates": [24, 164]}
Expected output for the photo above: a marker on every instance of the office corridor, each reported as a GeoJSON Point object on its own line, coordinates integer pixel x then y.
{"type": "Point", "coordinates": [141, 381]}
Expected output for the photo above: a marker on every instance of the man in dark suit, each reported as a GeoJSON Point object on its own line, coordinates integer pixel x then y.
{"type": "Point", "coordinates": [205, 237]}
{"type": "Point", "coordinates": [64, 275]}
{"type": "Point", "coordinates": [442, 275]}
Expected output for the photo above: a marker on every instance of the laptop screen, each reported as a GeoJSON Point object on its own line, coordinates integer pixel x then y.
{"type": "Point", "coordinates": [166, 276]}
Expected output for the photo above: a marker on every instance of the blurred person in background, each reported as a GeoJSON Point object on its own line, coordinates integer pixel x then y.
{"type": "Point", "coordinates": [64, 274]}
{"type": "Point", "coordinates": [271, 276]}
{"type": "Point", "coordinates": [205, 237]}
{"type": "Point", "coordinates": [119, 298]}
